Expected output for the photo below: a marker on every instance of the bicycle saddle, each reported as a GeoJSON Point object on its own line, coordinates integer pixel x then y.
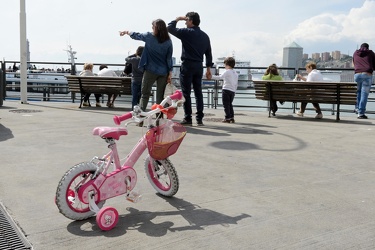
{"type": "Point", "coordinates": [110, 132]}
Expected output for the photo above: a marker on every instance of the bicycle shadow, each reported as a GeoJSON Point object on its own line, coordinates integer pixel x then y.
{"type": "Point", "coordinates": [197, 218]}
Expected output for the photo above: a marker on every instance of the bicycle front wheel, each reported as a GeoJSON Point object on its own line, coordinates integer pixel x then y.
{"type": "Point", "coordinates": [67, 199]}
{"type": "Point", "coordinates": [162, 176]}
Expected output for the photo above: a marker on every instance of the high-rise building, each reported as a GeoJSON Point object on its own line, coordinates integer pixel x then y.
{"type": "Point", "coordinates": [336, 55]}
{"type": "Point", "coordinates": [292, 58]}
{"type": "Point", "coordinates": [326, 56]}
{"type": "Point", "coordinates": [315, 56]}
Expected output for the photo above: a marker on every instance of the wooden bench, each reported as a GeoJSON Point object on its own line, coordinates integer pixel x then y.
{"type": "Point", "coordinates": [299, 91]}
{"type": "Point", "coordinates": [98, 85]}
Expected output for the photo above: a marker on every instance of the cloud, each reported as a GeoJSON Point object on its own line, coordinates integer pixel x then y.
{"type": "Point", "coordinates": [359, 23]}
{"type": "Point", "coordinates": [253, 30]}
{"type": "Point", "coordinates": [336, 30]}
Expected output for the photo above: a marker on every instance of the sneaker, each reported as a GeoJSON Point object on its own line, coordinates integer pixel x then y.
{"type": "Point", "coordinates": [319, 116]}
{"type": "Point", "coordinates": [226, 121]}
{"type": "Point", "coordinates": [200, 123]}
{"type": "Point", "coordinates": [356, 111]}
{"type": "Point", "coordinates": [362, 117]}
{"type": "Point", "coordinates": [232, 120]}
{"type": "Point", "coordinates": [186, 122]}
{"type": "Point", "coordinates": [299, 114]}
{"type": "Point", "coordinates": [98, 104]}
{"type": "Point", "coordinates": [85, 104]}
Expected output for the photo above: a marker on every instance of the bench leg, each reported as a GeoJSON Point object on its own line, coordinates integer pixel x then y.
{"type": "Point", "coordinates": [338, 112]}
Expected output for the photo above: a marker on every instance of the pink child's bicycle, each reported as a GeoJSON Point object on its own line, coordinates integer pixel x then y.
{"type": "Point", "coordinates": [83, 190]}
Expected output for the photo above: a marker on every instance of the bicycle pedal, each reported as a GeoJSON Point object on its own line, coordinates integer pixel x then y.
{"type": "Point", "coordinates": [134, 197]}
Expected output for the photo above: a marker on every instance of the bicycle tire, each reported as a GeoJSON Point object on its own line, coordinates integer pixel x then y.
{"type": "Point", "coordinates": [67, 199]}
{"type": "Point", "coordinates": [165, 181]}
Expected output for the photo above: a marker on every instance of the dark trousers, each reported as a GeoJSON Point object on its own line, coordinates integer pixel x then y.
{"type": "Point", "coordinates": [227, 97]}
{"type": "Point", "coordinates": [87, 97]}
{"type": "Point", "coordinates": [191, 74]}
{"type": "Point", "coordinates": [315, 104]}
{"type": "Point", "coordinates": [273, 105]}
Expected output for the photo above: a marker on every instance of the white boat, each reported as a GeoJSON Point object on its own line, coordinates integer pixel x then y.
{"type": "Point", "coordinates": [37, 77]}
{"type": "Point", "coordinates": [38, 80]}
{"type": "Point", "coordinates": [40, 77]}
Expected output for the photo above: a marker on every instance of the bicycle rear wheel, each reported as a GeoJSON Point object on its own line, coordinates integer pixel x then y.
{"type": "Point", "coordinates": [162, 176]}
{"type": "Point", "coordinates": [67, 199]}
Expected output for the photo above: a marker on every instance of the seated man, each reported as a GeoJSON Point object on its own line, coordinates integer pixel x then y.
{"type": "Point", "coordinates": [104, 71]}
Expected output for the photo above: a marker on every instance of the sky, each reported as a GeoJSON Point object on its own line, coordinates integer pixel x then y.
{"type": "Point", "coordinates": [251, 30]}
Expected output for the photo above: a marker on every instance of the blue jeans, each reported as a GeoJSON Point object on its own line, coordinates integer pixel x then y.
{"type": "Point", "coordinates": [363, 89]}
{"type": "Point", "coordinates": [191, 74]}
{"type": "Point", "coordinates": [136, 92]}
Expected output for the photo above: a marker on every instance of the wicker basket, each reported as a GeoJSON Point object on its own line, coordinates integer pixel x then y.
{"type": "Point", "coordinates": [158, 147]}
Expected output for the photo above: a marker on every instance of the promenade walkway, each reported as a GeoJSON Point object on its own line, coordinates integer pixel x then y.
{"type": "Point", "coordinates": [261, 183]}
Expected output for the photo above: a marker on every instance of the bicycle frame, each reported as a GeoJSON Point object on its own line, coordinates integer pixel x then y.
{"type": "Point", "coordinates": [113, 156]}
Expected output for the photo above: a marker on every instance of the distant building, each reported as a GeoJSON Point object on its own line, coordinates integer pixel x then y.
{"type": "Point", "coordinates": [325, 56]}
{"type": "Point", "coordinates": [336, 55]}
{"type": "Point", "coordinates": [315, 56]}
{"type": "Point", "coordinates": [305, 56]}
{"type": "Point", "coordinates": [292, 58]}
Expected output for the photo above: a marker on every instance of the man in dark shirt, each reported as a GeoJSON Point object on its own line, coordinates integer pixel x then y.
{"type": "Point", "coordinates": [364, 65]}
{"type": "Point", "coordinates": [195, 44]}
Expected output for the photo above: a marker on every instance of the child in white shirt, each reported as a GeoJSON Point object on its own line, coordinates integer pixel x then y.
{"type": "Point", "coordinates": [230, 83]}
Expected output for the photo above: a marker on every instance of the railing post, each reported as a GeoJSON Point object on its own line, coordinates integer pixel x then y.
{"type": "Point", "coordinates": [211, 94]}
{"type": "Point", "coordinates": [1, 87]}
{"type": "Point", "coordinates": [44, 94]}
{"type": "Point", "coordinates": [216, 95]}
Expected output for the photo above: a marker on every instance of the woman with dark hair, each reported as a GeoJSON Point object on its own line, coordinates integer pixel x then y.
{"type": "Point", "coordinates": [272, 73]}
{"type": "Point", "coordinates": [156, 60]}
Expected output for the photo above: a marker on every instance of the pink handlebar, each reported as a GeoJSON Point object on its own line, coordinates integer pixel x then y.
{"type": "Point", "coordinates": [119, 119]}
{"type": "Point", "coordinates": [176, 96]}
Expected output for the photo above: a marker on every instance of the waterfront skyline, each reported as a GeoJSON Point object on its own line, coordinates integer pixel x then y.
{"type": "Point", "coordinates": [252, 30]}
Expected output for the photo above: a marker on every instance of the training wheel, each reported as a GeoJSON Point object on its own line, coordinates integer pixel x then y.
{"type": "Point", "coordinates": [107, 218]}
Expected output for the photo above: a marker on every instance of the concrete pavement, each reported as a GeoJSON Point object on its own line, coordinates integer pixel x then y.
{"type": "Point", "coordinates": [261, 183]}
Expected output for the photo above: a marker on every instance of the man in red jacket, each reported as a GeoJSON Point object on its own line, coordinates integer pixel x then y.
{"type": "Point", "coordinates": [364, 65]}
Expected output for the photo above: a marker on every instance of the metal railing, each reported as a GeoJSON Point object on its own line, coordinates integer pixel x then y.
{"type": "Point", "coordinates": [245, 99]}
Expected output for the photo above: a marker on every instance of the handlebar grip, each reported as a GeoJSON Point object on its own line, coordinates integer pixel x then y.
{"type": "Point", "coordinates": [176, 96]}
{"type": "Point", "coordinates": [118, 119]}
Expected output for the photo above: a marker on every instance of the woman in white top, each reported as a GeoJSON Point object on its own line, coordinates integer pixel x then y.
{"type": "Point", "coordinates": [313, 76]}
{"type": "Point", "coordinates": [104, 71]}
{"type": "Point", "coordinates": [230, 83]}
